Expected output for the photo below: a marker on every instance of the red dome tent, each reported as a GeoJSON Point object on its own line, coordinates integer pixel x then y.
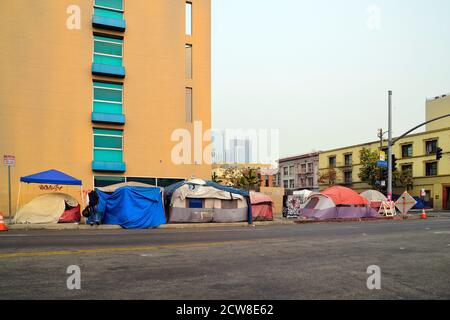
{"type": "Point", "coordinates": [345, 196]}
{"type": "Point", "coordinates": [261, 207]}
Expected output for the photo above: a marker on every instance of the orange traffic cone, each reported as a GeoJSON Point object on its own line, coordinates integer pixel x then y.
{"type": "Point", "coordinates": [3, 226]}
{"type": "Point", "coordinates": [424, 214]}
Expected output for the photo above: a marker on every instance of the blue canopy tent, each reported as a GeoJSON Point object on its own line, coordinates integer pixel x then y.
{"type": "Point", "coordinates": [171, 189]}
{"type": "Point", "coordinates": [54, 177]}
{"type": "Point", "coordinates": [132, 207]}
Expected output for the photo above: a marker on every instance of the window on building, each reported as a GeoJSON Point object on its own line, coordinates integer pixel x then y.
{"type": "Point", "coordinates": [286, 171]}
{"type": "Point", "coordinates": [109, 9]}
{"type": "Point", "coordinates": [188, 49]}
{"type": "Point", "coordinates": [303, 168]}
{"type": "Point", "coordinates": [108, 50]}
{"type": "Point", "coordinates": [407, 151]}
{"type": "Point", "coordinates": [310, 168]}
{"type": "Point", "coordinates": [348, 176]}
{"type": "Point", "coordinates": [165, 182]}
{"type": "Point", "coordinates": [195, 203]}
{"type": "Point", "coordinates": [108, 97]}
{"type": "Point", "coordinates": [332, 161]}
{"type": "Point", "coordinates": [431, 147]}
{"type": "Point", "coordinates": [189, 18]}
{"type": "Point", "coordinates": [105, 181]}
{"type": "Point", "coordinates": [407, 167]}
{"type": "Point", "coordinates": [149, 181]}
{"type": "Point", "coordinates": [310, 182]}
{"type": "Point", "coordinates": [291, 170]}
{"type": "Point", "coordinates": [109, 4]}
{"type": "Point", "coordinates": [286, 184]}
{"type": "Point", "coordinates": [188, 105]}
{"type": "Point", "coordinates": [348, 159]}
{"type": "Point", "coordinates": [291, 184]}
{"type": "Point", "coordinates": [431, 169]}
{"type": "Point", "coordinates": [108, 145]}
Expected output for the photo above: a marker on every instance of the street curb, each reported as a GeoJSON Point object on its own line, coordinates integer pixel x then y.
{"type": "Point", "coordinates": [221, 225]}
{"type": "Point", "coordinates": [26, 227]}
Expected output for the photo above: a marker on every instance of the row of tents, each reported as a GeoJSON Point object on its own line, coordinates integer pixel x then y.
{"type": "Point", "coordinates": [343, 203]}
{"type": "Point", "coordinates": [138, 206]}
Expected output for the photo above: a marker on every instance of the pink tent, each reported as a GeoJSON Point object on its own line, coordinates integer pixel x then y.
{"type": "Point", "coordinates": [261, 207]}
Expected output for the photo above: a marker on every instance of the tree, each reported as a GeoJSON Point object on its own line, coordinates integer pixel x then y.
{"type": "Point", "coordinates": [328, 177]}
{"type": "Point", "coordinates": [405, 179]}
{"type": "Point", "coordinates": [215, 178]}
{"type": "Point", "coordinates": [369, 172]}
{"type": "Point", "coordinates": [249, 179]}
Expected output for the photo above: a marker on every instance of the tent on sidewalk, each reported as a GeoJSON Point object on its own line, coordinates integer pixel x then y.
{"type": "Point", "coordinates": [206, 201]}
{"type": "Point", "coordinates": [375, 198]}
{"type": "Point", "coordinates": [61, 207]}
{"type": "Point", "coordinates": [262, 206]}
{"type": "Point", "coordinates": [114, 187]}
{"type": "Point", "coordinates": [337, 203]}
{"type": "Point", "coordinates": [49, 208]}
{"type": "Point", "coordinates": [132, 207]}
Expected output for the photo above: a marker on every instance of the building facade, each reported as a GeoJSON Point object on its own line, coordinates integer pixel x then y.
{"type": "Point", "coordinates": [299, 172]}
{"type": "Point", "coordinates": [415, 152]}
{"type": "Point", "coordinates": [97, 88]}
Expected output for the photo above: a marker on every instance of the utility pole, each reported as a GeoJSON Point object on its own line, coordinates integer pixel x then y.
{"type": "Point", "coordinates": [389, 186]}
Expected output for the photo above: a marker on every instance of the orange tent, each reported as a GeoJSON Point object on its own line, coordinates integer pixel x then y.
{"type": "Point", "coordinates": [345, 196]}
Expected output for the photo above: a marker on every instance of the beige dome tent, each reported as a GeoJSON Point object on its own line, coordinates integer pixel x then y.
{"type": "Point", "coordinates": [46, 208]}
{"type": "Point", "coordinates": [376, 198]}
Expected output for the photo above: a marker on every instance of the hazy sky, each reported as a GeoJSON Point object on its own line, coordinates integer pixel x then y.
{"type": "Point", "coordinates": [320, 70]}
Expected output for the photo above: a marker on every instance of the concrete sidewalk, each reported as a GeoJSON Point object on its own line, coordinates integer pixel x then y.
{"type": "Point", "coordinates": [76, 226]}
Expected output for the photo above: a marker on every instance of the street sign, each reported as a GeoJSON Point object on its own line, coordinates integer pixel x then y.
{"type": "Point", "coordinates": [405, 203]}
{"type": "Point", "coordinates": [423, 193]}
{"type": "Point", "coordinates": [382, 164]}
{"type": "Point", "coordinates": [9, 161]}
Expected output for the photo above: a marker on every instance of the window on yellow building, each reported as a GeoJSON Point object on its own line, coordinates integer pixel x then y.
{"type": "Point", "coordinates": [431, 169]}
{"type": "Point", "coordinates": [407, 151]}
{"type": "Point", "coordinates": [188, 18]}
{"type": "Point", "coordinates": [188, 49]}
{"type": "Point", "coordinates": [188, 105]}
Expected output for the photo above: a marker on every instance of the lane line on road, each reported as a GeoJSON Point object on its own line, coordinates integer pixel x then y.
{"type": "Point", "coordinates": [123, 249]}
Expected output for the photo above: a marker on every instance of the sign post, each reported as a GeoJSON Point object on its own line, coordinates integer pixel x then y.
{"type": "Point", "coordinates": [9, 161]}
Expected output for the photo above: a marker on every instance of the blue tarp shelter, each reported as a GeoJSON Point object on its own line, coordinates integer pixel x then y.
{"type": "Point", "coordinates": [132, 207]}
{"type": "Point", "coordinates": [50, 177]}
{"type": "Point", "coordinates": [171, 189]}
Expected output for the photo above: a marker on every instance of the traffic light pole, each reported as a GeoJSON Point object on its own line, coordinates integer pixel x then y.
{"type": "Point", "coordinates": [392, 142]}
{"type": "Point", "coordinates": [389, 186]}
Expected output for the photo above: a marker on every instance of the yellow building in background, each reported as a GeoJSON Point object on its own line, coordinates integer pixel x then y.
{"type": "Point", "coordinates": [96, 88]}
{"type": "Point", "coordinates": [416, 152]}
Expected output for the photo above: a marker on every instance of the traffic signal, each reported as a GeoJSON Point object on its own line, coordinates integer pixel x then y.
{"type": "Point", "coordinates": [394, 163]}
{"type": "Point", "coordinates": [439, 152]}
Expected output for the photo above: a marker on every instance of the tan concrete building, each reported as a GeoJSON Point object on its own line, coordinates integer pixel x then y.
{"type": "Point", "coordinates": [95, 88]}
{"type": "Point", "coordinates": [437, 107]}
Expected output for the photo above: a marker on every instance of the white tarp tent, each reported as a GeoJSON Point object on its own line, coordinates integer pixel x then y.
{"type": "Point", "coordinates": [45, 209]}
{"type": "Point", "coordinates": [374, 196]}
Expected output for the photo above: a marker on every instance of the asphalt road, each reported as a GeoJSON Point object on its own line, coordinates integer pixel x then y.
{"type": "Point", "coordinates": [312, 261]}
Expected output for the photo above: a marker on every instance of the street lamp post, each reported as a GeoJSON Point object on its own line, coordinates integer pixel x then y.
{"type": "Point", "coordinates": [389, 186]}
